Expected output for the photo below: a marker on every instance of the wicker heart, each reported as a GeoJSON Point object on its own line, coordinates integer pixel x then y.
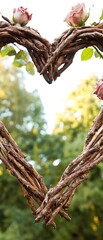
{"type": "Point", "coordinates": [51, 60]}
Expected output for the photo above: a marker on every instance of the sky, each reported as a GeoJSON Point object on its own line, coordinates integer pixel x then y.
{"type": "Point", "coordinates": [48, 19]}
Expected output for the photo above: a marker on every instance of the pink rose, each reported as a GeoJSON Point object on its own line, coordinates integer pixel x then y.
{"type": "Point", "coordinates": [21, 16]}
{"type": "Point", "coordinates": [99, 89]}
{"type": "Point", "coordinates": [77, 16]}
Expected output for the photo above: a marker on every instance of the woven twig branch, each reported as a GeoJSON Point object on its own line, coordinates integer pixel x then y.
{"type": "Point", "coordinates": [61, 195]}
{"type": "Point", "coordinates": [58, 199]}
{"type": "Point", "coordinates": [52, 59]}
{"type": "Point", "coordinates": [31, 182]}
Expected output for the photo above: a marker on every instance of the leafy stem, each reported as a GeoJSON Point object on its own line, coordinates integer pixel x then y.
{"type": "Point", "coordinates": [99, 53]}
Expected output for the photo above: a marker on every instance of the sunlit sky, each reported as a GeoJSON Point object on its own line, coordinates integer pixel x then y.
{"type": "Point", "coordinates": [48, 19]}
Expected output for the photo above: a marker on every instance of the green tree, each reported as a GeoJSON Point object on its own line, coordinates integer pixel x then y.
{"type": "Point", "coordinates": [80, 110]}
{"type": "Point", "coordinates": [74, 123]}
{"type": "Point", "coordinates": [72, 127]}
{"type": "Point", "coordinates": [22, 113]}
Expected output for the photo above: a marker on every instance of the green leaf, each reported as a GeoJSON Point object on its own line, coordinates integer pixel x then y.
{"type": "Point", "coordinates": [21, 59]}
{"type": "Point", "coordinates": [19, 62]}
{"type": "Point", "coordinates": [30, 68]}
{"type": "Point", "coordinates": [7, 50]}
{"type": "Point", "coordinates": [96, 54]}
{"type": "Point", "coordinates": [101, 17]}
{"type": "Point", "coordinates": [87, 53]}
{"type": "Point", "coordinates": [22, 55]}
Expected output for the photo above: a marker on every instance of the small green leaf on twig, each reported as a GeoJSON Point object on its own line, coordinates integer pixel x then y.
{"type": "Point", "coordinates": [96, 54]}
{"type": "Point", "coordinates": [22, 55]}
{"type": "Point", "coordinates": [101, 17]}
{"type": "Point", "coordinates": [21, 59]}
{"type": "Point", "coordinates": [7, 50]}
{"type": "Point", "coordinates": [19, 62]}
{"type": "Point", "coordinates": [87, 53]}
{"type": "Point", "coordinates": [30, 68]}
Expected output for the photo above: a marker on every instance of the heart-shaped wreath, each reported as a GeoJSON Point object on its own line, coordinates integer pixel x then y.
{"type": "Point", "coordinates": [51, 60]}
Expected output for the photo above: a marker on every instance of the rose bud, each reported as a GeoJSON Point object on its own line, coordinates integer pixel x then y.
{"type": "Point", "coordinates": [99, 89]}
{"type": "Point", "coordinates": [21, 16]}
{"type": "Point", "coordinates": [77, 16]}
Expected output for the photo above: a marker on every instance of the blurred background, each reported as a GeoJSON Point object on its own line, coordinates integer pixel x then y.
{"type": "Point", "coordinates": [50, 123]}
{"type": "Point", "coordinates": [23, 114]}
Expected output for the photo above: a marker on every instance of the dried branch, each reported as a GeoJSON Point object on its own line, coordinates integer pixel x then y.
{"type": "Point", "coordinates": [31, 182]}
{"type": "Point", "coordinates": [61, 195]}
{"type": "Point", "coordinates": [51, 59]}
{"type": "Point", "coordinates": [57, 199]}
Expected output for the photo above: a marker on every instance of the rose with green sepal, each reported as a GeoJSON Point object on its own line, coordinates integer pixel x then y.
{"type": "Point", "coordinates": [21, 16]}
{"type": "Point", "coordinates": [77, 16]}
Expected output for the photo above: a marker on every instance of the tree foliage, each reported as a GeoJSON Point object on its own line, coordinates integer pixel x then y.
{"type": "Point", "coordinates": [23, 114]}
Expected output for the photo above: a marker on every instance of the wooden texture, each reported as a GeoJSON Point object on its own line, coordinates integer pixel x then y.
{"type": "Point", "coordinates": [51, 60]}
{"type": "Point", "coordinates": [56, 200]}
